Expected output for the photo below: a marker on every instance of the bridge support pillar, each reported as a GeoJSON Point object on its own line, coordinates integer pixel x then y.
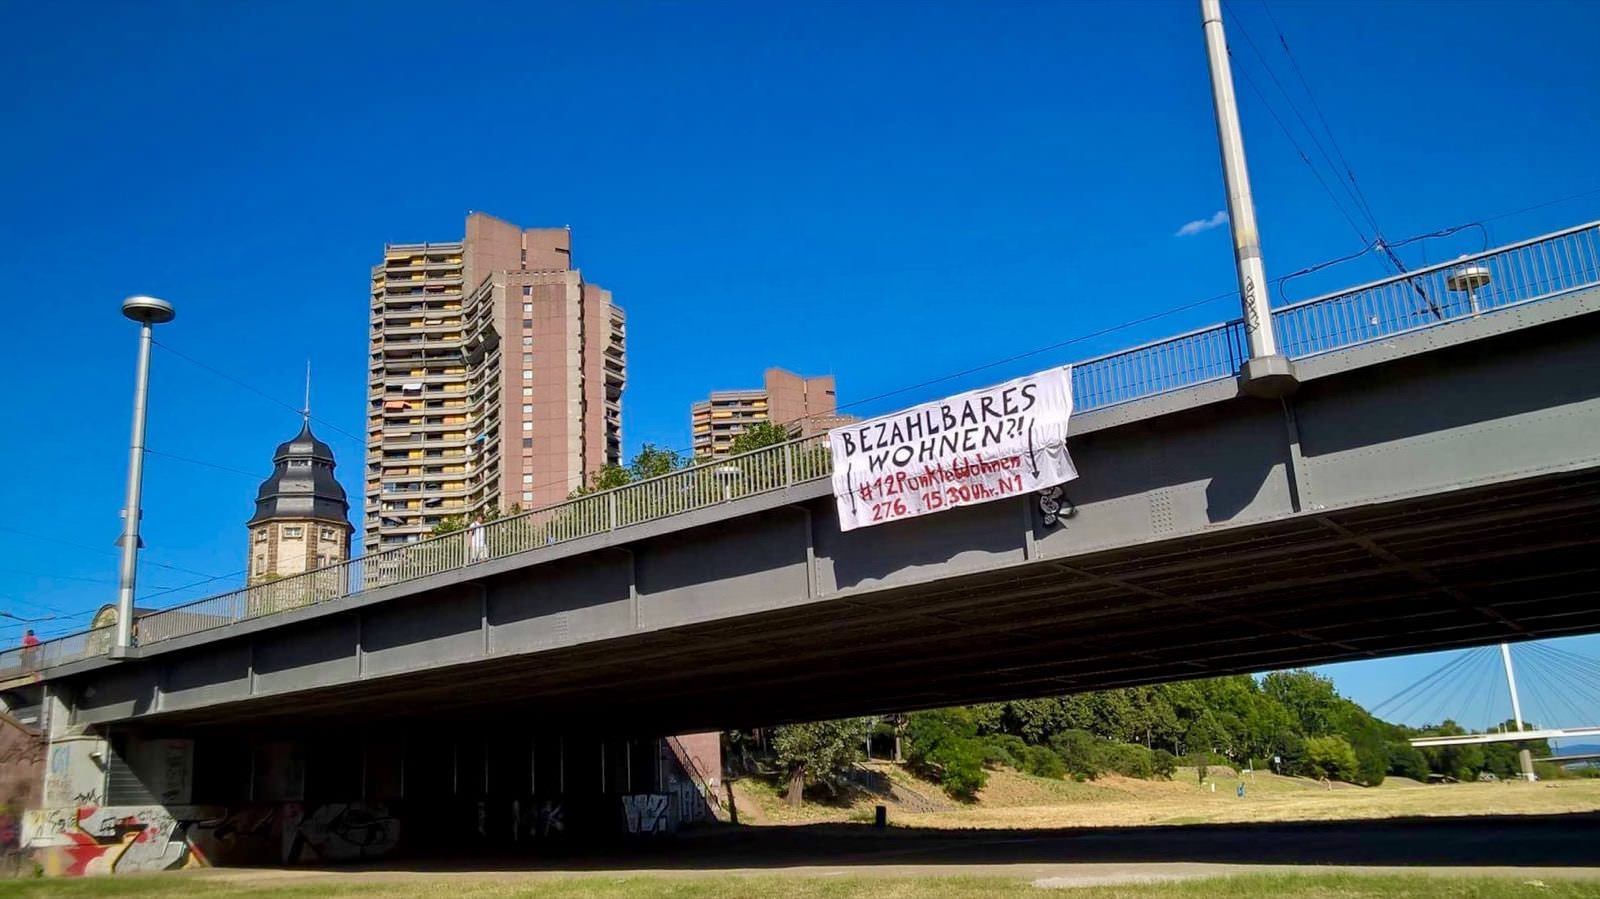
{"type": "Point", "coordinates": [1268, 377]}
{"type": "Point", "coordinates": [1526, 758]}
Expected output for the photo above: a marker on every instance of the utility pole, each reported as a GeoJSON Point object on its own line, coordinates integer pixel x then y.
{"type": "Point", "coordinates": [1524, 756]}
{"type": "Point", "coordinates": [1267, 373]}
{"type": "Point", "coordinates": [148, 312]}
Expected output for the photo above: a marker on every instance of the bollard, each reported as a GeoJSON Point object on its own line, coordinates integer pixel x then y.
{"type": "Point", "coordinates": [880, 818]}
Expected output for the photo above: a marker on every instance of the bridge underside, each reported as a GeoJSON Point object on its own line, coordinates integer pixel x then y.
{"type": "Point", "coordinates": [1511, 562]}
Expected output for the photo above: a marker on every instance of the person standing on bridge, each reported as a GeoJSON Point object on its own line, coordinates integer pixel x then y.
{"type": "Point", "coordinates": [477, 540]}
{"type": "Point", "coordinates": [30, 645]}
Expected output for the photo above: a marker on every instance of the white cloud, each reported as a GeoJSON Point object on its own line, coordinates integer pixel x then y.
{"type": "Point", "coordinates": [1198, 225]}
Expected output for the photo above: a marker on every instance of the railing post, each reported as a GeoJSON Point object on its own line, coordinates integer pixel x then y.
{"type": "Point", "coordinates": [788, 464]}
{"type": "Point", "coordinates": [611, 511]}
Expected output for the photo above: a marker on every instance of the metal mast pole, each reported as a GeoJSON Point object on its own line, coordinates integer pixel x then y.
{"type": "Point", "coordinates": [148, 312]}
{"type": "Point", "coordinates": [1265, 373]}
{"type": "Point", "coordinates": [1524, 756]}
{"type": "Point", "coordinates": [1511, 681]}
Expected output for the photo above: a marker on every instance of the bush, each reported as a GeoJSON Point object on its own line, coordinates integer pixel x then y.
{"type": "Point", "coordinates": [1078, 752]}
{"type": "Point", "coordinates": [1127, 759]}
{"type": "Point", "coordinates": [1042, 761]}
{"type": "Point", "coordinates": [1164, 764]}
{"type": "Point", "coordinates": [1005, 749]}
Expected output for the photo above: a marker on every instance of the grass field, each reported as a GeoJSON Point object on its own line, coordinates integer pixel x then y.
{"type": "Point", "coordinates": [1309, 886]}
{"type": "Point", "coordinates": [1014, 800]}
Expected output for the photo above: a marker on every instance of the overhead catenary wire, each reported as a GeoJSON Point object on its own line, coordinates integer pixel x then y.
{"type": "Point", "coordinates": [259, 392]}
{"type": "Point", "coordinates": [99, 549]}
{"type": "Point", "coordinates": [1316, 107]}
{"type": "Point", "coordinates": [1356, 198]}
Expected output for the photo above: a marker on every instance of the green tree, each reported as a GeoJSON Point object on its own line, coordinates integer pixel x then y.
{"type": "Point", "coordinates": [1331, 757]}
{"type": "Point", "coordinates": [818, 753]}
{"type": "Point", "coordinates": [945, 745]}
{"type": "Point", "coordinates": [652, 461]}
{"type": "Point", "coordinates": [758, 435]}
{"type": "Point", "coordinates": [1406, 760]}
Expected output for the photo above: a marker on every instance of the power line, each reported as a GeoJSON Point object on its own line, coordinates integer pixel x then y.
{"type": "Point", "coordinates": [98, 549]}
{"type": "Point", "coordinates": [1365, 241]}
{"type": "Point", "coordinates": [220, 577]}
{"type": "Point", "coordinates": [1357, 200]}
{"type": "Point", "coordinates": [1558, 200]}
{"type": "Point", "coordinates": [1349, 171]}
{"type": "Point", "coordinates": [57, 577]}
{"type": "Point", "coordinates": [259, 392]}
{"type": "Point", "coordinates": [251, 475]}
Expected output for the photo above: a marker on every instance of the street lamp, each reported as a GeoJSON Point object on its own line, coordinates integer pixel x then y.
{"type": "Point", "coordinates": [148, 312]}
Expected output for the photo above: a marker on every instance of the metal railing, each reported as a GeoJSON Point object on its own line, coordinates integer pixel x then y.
{"type": "Point", "coordinates": [1520, 273]}
{"type": "Point", "coordinates": [1535, 269]}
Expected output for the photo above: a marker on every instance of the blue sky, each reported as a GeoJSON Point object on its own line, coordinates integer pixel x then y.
{"type": "Point", "coordinates": [828, 187]}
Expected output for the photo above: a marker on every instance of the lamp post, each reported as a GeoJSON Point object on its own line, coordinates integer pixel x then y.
{"type": "Point", "coordinates": [148, 312]}
{"type": "Point", "coordinates": [1267, 372]}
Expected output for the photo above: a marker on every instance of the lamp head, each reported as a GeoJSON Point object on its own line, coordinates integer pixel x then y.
{"type": "Point", "coordinates": [148, 310]}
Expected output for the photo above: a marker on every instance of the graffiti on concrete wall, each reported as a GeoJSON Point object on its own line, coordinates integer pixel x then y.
{"type": "Point", "coordinates": [105, 840]}
{"type": "Point", "coordinates": [95, 840]}
{"type": "Point", "coordinates": [690, 803]}
{"type": "Point", "coordinates": [72, 777]}
{"type": "Point", "coordinates": [341, 831]}
{"type": "Point", "coordinates": [646, 813]}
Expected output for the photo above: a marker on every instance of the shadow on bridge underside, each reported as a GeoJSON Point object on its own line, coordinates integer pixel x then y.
{"type": "Point", "coordinates": [1566, 840]}
{"type": "Point", "coordinates": [1511, 562]}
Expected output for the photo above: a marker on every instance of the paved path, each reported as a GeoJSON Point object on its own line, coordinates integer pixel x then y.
{"type": "Point", "coordinates": [1532, 848]}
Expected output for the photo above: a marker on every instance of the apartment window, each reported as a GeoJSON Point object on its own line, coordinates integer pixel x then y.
{"type": "Point", "coordinates": [260, 566]}
{"type": "Point", "coordinates": [527, 426]}
{"type": "Point", "coordinates": [527, 391]}
{"type": "Point", "coordinates": [527, 341]}
{"type": "Point", "coordinates": [527, 324]}
{"type": "Point", "coordinates": [527, 479]}
{"type": "Point", "coordinates": [322, 560]}
{"type": "Point", "coordinates": [527, 308]}
{"type": "Point", "coordinates": [527, 442]}
{"type": "Point", "coordinates": [261, 536]}
{"type": "Point", "coordinates": [527, 289]}
{"type": "Point", "coordinates": [328, 534]}
{"type": "Point", "coordinates": [527, 497]}
{"type": "Point", "coordinates": [293, 533]}
{"type": "Point", "coordinates": [527, 407]}
{"type": "Point", "coordinates": [527, 374]}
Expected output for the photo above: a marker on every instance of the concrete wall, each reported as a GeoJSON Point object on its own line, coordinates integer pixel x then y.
{"type": "Point", "coordinates": [459, 791]}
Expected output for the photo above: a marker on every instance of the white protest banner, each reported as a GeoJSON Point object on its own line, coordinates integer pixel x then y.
{"type": "Point", "coordinates": [974, 447]}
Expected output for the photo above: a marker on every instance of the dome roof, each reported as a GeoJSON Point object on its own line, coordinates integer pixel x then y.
{"type": "Point", "coordinates": [302, 484]}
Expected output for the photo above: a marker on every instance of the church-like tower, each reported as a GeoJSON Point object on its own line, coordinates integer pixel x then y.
{"type": "Point", "coordinates": [302, 519]}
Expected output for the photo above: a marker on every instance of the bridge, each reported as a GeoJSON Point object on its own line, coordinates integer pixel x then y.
{"type": "Point", "coordinates": [1512, 736]}
{"type": "Point", "coordinates": [1432, 483]}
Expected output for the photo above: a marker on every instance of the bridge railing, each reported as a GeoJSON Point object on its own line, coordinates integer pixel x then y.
{"type": "Point", "coordinates": [1524, 272]}
{"type": "Point", "coordinates": [1471, 285]}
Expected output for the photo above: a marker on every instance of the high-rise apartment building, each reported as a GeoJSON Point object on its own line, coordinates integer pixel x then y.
{"type": "Point", "coordinates": [804, 405]}
{"type": "Point", "coordinates": [496, 377]}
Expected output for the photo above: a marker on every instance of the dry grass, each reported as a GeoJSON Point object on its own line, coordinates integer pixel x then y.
{"type": "Point", "coordinates": [1292, 886]}
{"type": "Point", "coordinates": [1013, 800]}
